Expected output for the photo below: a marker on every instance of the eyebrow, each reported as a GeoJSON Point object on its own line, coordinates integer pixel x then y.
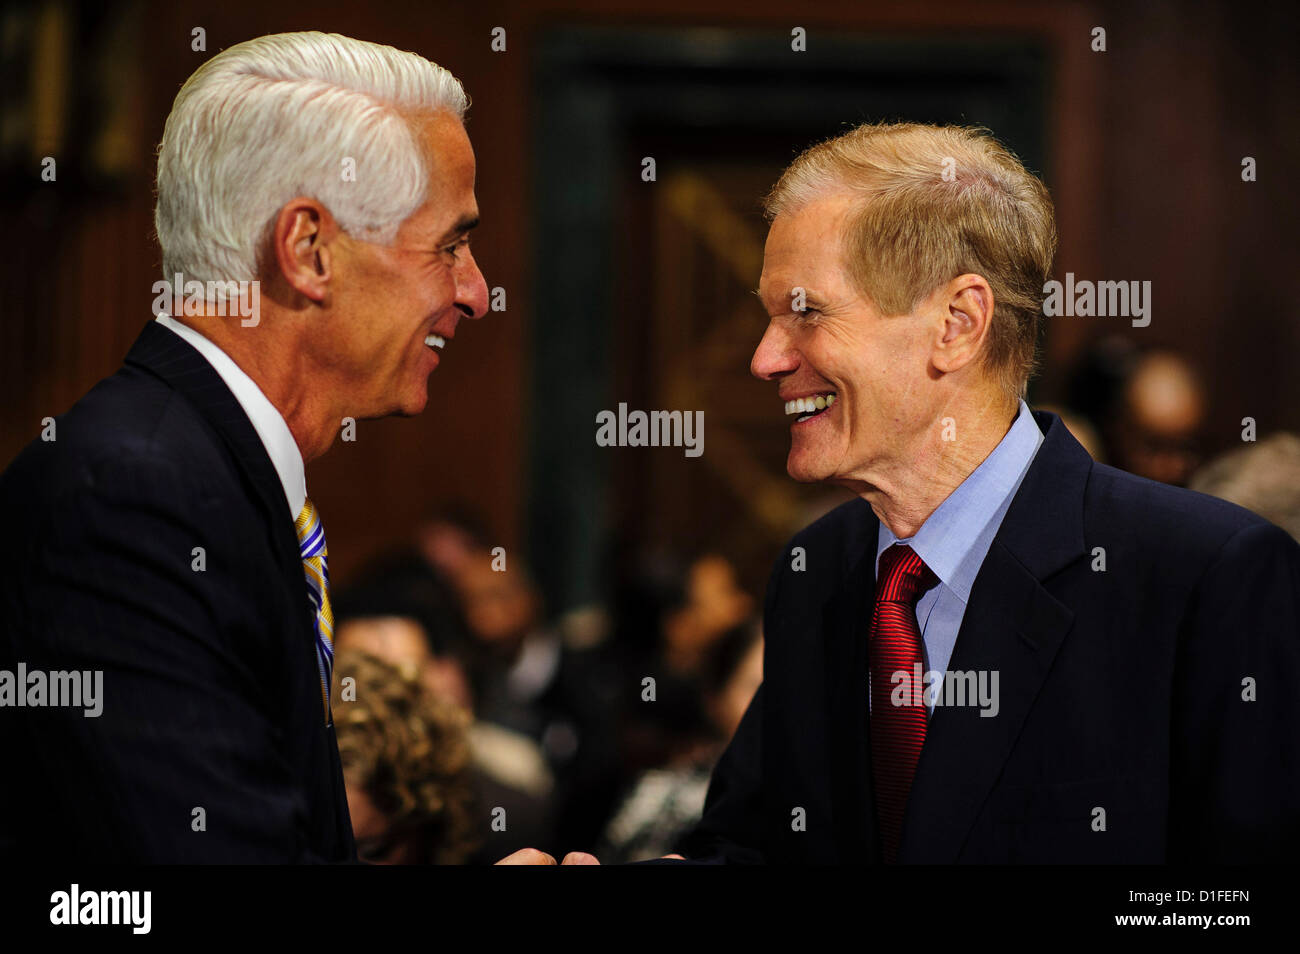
{"type": "Point", "coordinates": [464, 224]}
{"type": "Point", "coordinates": [812, 299]}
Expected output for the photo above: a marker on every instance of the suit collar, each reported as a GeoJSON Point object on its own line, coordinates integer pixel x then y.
{"type": "Point", "coordinates": [271, 427]}
{"type": "Point", "coordinates": [167, 356]}
{"type": "Point", "coordinates": [1043, 528]}
{"type": "Point", "coordinates": [1051, 494]}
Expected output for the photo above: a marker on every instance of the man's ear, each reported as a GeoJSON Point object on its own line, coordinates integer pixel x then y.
{"type": "Point", "coordinates": [302, 238]}
{"type": "Point", "coordinates": [966, 305]}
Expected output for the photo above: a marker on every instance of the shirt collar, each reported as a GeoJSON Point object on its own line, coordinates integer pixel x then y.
{"type": "Point", "coordinates": [964, 525]}
{"type": "Point", "coordinates": [266, 420]}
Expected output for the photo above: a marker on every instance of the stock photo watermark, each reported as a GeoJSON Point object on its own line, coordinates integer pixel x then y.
{"type": "Point", "coordinates": [626, 428]}
{"type": "Point", "coordinates": [36, 688]}
{"type": "Point", "coordinates": [223, 299]}
{"type": "Point", "coordinates": [947, 688]}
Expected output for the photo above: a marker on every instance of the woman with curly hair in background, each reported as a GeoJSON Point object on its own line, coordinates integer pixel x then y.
{"type": "Point", "coordinates": [406, 761]}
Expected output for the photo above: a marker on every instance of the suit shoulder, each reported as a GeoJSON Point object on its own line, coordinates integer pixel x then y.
{"type": "Point", "coordinates": [837, 539]}
{"type": "Point", "coordinates": [1167, 518]}
{"type": "Point", "coordinates": [847, 520]}
{"type": "Point", "coordinates": [131, 419]}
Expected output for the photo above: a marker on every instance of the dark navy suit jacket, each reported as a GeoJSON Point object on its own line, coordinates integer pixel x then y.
{"type": "Point", "coordinates": [1149, 712]}
{"type": "Point", "coordinates": [211, 690]}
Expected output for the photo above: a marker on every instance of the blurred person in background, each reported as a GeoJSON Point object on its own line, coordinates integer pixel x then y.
{"type": "Point", "coordinates": [389, 618]}
{"type": "Point", "coordinates": [1263, 477]}
{"type": "Point", "coordinates": [672, 614]}
{"type": "Point", "coordinates": [449, 537]}
{"type": "Point", "coordinates": [406, 762]}
{"type": "Point", "coordinates": [664, 803]}
{"type": "Point", "coordinates": [1148, 406]}
{"type": "Point", "coordinates": [397, 610]}
{"type": "Point", "coordinates": [528, 680]}
{"type": "Point", "coordinates": [1157, 432]}
{"type": "Point", "coordinates": [714, 604]}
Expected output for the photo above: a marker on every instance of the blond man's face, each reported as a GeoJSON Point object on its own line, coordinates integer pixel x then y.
{"type": "Point", "coordinates": [865, 370]}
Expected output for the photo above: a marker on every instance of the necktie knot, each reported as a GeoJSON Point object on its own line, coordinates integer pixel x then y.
{"type": "Point", "coordinates": [903, 576]}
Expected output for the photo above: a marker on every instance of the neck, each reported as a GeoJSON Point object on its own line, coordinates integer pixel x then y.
{"type": "Point", "coordinates": [905, 493]}
{"type": "Point", "coordinates": [268, 354]}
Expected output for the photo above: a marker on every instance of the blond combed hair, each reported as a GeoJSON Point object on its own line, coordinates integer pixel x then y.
{"type": "Point", "coordinates": [937, 202]}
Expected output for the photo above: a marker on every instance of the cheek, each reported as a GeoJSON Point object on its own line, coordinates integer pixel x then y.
{"type": "Point", "coordinates": [434, 292]}
{"type": "Point", "coordinates": [404, 298]}
{"type": "Point", "coordinates": [864, 375]}
{"type": "Point", "coordinates": [887, 371]}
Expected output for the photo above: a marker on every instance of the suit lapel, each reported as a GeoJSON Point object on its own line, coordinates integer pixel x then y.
{"type": "Point", "coordinates": [848, 619]}
{"type": "Point", "coordinates": [166, 355]}
{"type": "Point", "coordinates": [1012, 626]}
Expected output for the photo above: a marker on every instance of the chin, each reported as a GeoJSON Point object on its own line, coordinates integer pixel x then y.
{"type": "Point", "coordinates": [415, 402]}
{"type": "Point", "coordinates": [805, 468]}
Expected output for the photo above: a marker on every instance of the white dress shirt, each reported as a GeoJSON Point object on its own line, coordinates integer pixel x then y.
{"type": "Point", "coordinates": [266, 420]}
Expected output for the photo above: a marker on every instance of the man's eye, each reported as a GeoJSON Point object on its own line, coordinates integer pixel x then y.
{"type": "Point", "coordinates": [456, 247]}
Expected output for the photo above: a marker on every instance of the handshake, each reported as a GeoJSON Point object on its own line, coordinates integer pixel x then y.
{"type": "Point", "coordinates": [531, 856]}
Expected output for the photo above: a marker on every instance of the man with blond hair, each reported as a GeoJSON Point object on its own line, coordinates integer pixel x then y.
{"type": "Point", "coordinates": [164, 538]}
{"type": "Point", "coordinates": [1002, 651]}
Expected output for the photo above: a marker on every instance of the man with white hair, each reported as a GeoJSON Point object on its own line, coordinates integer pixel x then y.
{"type": "Point", "coordinates": [164, 537]}
{"type": "Point", "coordinates": [1002, 651]}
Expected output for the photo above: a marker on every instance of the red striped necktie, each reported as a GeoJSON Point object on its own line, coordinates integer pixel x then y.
{"type": "Point", "coordinates": [898, 716]}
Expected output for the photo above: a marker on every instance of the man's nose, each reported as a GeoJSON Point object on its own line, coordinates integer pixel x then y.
{"type": "Point", "coordinates": [471, 287]}
{"type": "Point", "coordinates": [774, 355]}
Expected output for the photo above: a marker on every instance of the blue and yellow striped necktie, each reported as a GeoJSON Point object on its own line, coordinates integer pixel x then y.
{"type": "Point", "coordinates": [311, 544]}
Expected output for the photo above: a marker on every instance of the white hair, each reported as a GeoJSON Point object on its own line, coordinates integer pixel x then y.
{"type": "Point", "coordinates": [276, 117]}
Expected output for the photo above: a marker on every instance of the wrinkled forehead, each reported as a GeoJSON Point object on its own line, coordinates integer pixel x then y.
{"type": "Point", "coordinates": [446, 148]}
{"type": "Point", "coordinates": [805, 245]}
{"type": "Point", "coordinates": [450, 206]}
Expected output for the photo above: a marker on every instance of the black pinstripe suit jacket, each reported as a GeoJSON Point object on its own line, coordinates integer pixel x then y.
{"type": "Point", "coordinates": [212, 744]}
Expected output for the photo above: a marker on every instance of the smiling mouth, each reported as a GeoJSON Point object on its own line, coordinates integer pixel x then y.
{"type": "Point", "coordinates": [809, 407]}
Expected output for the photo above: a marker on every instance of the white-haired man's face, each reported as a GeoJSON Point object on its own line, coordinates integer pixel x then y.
{"type": "Point", "coordinates": [864, 374]}
{"type": "Point", "coordinates": [397, 306]}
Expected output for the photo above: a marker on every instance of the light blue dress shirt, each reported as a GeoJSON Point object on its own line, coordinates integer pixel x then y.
{"type": "Point", "coordinates": [954, 539]}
